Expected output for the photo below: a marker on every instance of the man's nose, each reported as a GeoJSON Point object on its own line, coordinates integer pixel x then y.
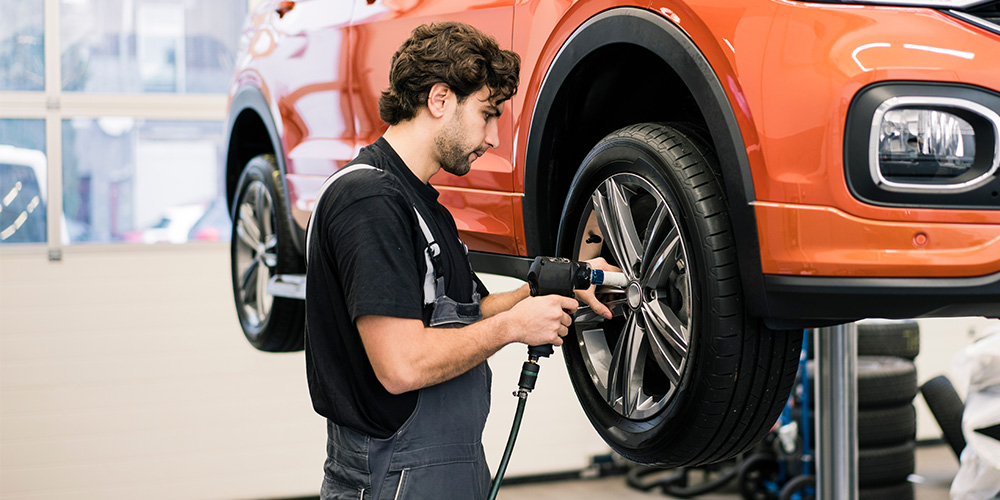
{"type": "Point", "coordinates": [493, 134]}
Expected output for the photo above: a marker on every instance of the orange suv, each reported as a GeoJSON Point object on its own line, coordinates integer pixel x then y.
{"type": "Point", "coordinates": [755, 167]}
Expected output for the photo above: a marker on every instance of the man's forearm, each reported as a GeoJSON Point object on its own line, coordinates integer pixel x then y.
{"type": "Point", "coordinates": [497, 303]}
{"type": "Point", "coordinates": [407, 356]}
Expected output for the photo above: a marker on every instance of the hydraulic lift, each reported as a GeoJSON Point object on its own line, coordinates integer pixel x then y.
{"type": "Point", "coordinates": [836, 412]}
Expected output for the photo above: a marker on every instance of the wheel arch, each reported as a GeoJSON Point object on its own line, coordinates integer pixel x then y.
{"type": "Point", "coordinates": [251, 131]}
{"type": "Point", "coordinates": [592, 67]}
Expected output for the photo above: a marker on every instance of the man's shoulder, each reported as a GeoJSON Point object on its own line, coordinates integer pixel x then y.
{"type": "Point", "coordinates": [361, 182]}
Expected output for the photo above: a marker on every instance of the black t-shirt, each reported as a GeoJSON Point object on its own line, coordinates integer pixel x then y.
{"type": "Point", "coordinates": [366, 256]}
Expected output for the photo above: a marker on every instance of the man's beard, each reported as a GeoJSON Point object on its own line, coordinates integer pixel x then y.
{"type": "Point", "coordinates": [452, 157]}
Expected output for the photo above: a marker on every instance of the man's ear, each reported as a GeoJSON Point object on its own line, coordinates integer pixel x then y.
{"type": "Point", "coordinates": [437, 99]}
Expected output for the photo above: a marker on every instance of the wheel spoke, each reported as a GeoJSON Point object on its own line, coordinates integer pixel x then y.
{"type": "Point", "coordinates": [657, 221]}
{"type": "Point", "coordinates": [249, 224]}
{"type": "Point", "coordinates": [661, 347]}
{"type": "Point", "coordinates": [666, 322]}
{"type": "Point", "coordinates": [247, 280]}
{"type": "Point", "coordinates": [244, 235]}
{"type": "Point", "coordinates": [262, 277]}
{"type": "Point", "coordinates": [270, 255]}
{"type": "Point", "coordinates": [662, 249]}
{"type": "Point", "coordinates": [623, 377]}
{"type": "Point", "coordinates": [263, 209]}
{"type": "Point", "coordinates": [615, 220]}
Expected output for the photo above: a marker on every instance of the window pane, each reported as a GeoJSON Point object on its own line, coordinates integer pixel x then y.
{"type": "Point", "coordinates": [23, 185]}
{"type": "Point", "coordinates": [22, 47]}
{"type": "Point", "coordinates": [144, 181]}
{"type": "Point", "coordinates": [133, 46]}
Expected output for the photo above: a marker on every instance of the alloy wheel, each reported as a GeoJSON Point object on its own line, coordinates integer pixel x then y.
{"type": "Point", "coordinates": [255, 253]}
{"type": "Point", "coordinates": [637, 358]}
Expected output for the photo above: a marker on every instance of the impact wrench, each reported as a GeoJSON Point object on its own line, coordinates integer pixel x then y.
{"type": "Point", "coordinates": [549, 276]}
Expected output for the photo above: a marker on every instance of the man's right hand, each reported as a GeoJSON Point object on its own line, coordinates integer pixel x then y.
{"type": "Point", "coordinates": [542, 320]}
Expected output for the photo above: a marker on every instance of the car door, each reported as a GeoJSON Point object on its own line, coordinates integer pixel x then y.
{"type": "Point", "coordinates": [483, 200]}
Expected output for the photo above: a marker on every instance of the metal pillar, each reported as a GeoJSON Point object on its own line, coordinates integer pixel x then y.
{"type": "Point", "coordinates": [836, 412]}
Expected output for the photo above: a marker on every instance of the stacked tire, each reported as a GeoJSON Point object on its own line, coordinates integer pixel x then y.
{"type": "Point", "coordinates": [887, 422]}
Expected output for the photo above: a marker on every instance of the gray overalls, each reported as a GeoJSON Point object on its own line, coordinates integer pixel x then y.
{"type": "Point", "coordinates": [437, 453]}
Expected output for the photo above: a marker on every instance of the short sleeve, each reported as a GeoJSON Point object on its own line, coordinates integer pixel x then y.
{"type": "Point", "coordinates": [373, 248]}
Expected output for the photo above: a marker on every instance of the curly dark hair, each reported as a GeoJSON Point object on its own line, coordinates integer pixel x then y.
{"type": "Point", "coordinates": [455, 54]}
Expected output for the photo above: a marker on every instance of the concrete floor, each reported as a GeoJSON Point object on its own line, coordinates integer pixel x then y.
{"type": "Point", "coordinates": [936, 467]}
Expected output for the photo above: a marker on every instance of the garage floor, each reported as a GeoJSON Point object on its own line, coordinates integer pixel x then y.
{"type": "Point", "coordinates": [936, 467]}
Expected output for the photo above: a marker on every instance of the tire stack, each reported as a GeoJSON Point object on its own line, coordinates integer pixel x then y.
{"type": "Point", "coordinates": [887, 422]}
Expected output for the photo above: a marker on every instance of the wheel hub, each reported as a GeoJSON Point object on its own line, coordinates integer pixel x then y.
{"type": "Point", "coordinates": [634, 295]}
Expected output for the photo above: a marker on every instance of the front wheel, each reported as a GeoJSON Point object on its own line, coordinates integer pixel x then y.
{"type": "Point", "coordinates": [681, 375]}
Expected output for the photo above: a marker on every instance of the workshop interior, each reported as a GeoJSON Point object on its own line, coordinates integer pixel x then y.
{"type": "Point", "coordinates": [799, 203]}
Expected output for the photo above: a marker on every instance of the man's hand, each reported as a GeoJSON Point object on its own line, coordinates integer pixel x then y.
{"type": "Point", "coordinates": [542, 320]}
{"type": "Point", "coordinates": [589, 296]}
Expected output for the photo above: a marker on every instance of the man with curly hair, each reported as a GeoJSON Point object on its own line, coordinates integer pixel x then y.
{"type": "Point", "coordinates": [399, 327]}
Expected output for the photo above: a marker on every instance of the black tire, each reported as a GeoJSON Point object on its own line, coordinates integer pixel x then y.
{"type": "Point", "coordinates": [886, 465]}
{"type": "Point", "coordinates": [877, 426]}
{"type": "Point", "coordinates": [886, 426]}
{"type": "Point", "coordinates": [883, 381]}
{"type": "Point", "coordinates": [947, 408]}
{"type": "Point", "coordinates": [899, 338]}
{"type": "Point", "coordinates": [899, 491]}
{"type": "Point", "coordinates": [262, 246]}
{"type": "Point", "coordinates": [799, 488]}
{"type": "Point", "coordinates": [758, 477]}
{"type": "Point", "coordinates": [701, 381]}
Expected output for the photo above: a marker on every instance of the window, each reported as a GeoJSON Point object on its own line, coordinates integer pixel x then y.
{"type": "Point", "coordinates": [133, 46]}
{"type": "Point", "coordinates": [23, 186]}
{"type": "Point", "coordinates": [22, 51]}
{"type": "Point", "coordinates": [143, 181]}
{"type": "Point", "coordinates": [133, 114]}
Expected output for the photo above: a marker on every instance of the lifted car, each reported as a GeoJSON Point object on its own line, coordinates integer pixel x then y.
{"type": "Point", "coordinates": [755, 167]}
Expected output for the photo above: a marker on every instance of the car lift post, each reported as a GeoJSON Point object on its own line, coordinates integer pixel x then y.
{"type": "Point", "coordinates": [836, 412]}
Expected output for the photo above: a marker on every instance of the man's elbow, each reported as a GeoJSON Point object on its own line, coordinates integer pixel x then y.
{"type": "Point", "coordinates": [397, 380]}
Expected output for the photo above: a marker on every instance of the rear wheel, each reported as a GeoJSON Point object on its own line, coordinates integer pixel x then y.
{"type": "Point", "coordinates": [261, 247]}
{"type": "Point", "coordinates": [680, 375]}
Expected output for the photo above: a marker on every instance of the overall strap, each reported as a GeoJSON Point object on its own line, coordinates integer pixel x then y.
{"type": "Point", "coordinates": [432, 256]}
{"type": "Point", "coordinates": [326, 185]}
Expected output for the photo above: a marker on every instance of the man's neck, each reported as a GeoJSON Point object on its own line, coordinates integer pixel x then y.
{"type": "Point", "coordinates": [414, 144]}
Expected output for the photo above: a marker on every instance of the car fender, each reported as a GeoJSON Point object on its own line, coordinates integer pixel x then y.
{"type": "Point", "coordinates": [250, 99]}
{"type": "Point", "coordinates": [629, 25]}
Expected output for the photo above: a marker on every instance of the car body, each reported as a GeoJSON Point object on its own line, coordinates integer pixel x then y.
{"type": "Point", "coordinates": [794, 105]}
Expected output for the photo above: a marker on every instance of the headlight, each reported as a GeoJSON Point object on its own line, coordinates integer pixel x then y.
{"type": "Point", "coordinates": [929, 144]}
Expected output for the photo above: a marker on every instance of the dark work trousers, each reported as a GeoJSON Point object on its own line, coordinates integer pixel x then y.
{"type": "Point", "coordinates": [436, 454]}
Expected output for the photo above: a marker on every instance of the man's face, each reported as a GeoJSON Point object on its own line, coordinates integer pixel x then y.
{"type": "Point", "coordinates": [471, 130]}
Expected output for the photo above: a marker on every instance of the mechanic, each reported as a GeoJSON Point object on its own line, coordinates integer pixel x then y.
{"type": "Point", "coordinates": [398, 325]}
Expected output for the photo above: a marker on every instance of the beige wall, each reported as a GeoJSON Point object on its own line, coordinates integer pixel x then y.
{"type": "Point", "coordinates": [124, 375]}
